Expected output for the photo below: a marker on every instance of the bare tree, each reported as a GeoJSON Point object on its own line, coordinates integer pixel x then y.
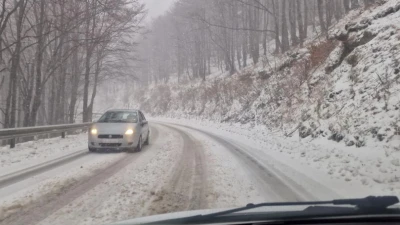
{"type": "Point", "coordinates": [42, 45]}
{"type": "Point", "coordinates": [293, 24]}
{"type": "Point", "coordinates": [346, 5]}
{"type": "Point", "coordinates": [354, 4]}
{"type": "Point", "coordinates": [305, 18]}
{"type": "Point", "coordinates": [300, 22]}
{"type": "Point", "coordinates": [321, 15]}
{"type": "Point", "coordinates": [10, 115]}
{"type": "Point", "coordinates": [284, 28]}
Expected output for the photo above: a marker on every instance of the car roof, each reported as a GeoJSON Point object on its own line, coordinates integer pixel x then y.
{"type": "Point", "coordinates": [122, 110]}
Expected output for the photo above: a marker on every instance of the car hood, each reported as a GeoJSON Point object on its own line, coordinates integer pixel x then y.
{"type": "Point", "coordinates": [175, 215]}
{"type": "Point", "coordinates": [113, 128]}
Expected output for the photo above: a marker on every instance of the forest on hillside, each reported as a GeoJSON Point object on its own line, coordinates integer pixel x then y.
{"type": "Point", "coordinates": [195, 36]}
{"type": "Point", "coordinates": [56, 54]}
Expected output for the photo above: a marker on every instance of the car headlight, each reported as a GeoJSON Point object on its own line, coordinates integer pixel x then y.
{"type": "Point", "coordinates": [93, 131]}
{"type": "Point", "coordinates": [129, 131]}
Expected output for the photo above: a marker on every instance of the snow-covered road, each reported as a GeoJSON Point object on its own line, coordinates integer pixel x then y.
{"type": "Point", "coordinates": [184, 168]}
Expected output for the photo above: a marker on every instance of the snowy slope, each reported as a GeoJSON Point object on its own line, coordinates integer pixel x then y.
{"type": "Point", "coordinates": [339, 114]}
{"type": "Point", "coordinates": [344, 89]}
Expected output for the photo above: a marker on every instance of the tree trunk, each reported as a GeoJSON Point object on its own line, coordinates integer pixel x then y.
{"type": "Point", "coordinates": [265, 23]}
{"type": "Point", "coordinates": [15, 63]}
{"type": "Point", "coordinates": [346, 6]}
{"type": "Point", "coordinates": [292, 21]}
{"type": "Point", "coordinates": [52, 103]}
{"type": "Point", "coordinates": [75, 83]}
{"type": "Point", "coordinates": [244, 50]}
{"type": "Point", "coordinates": [275, 8]}
{"type": "Point", "coordinates": [300, 23]}
{"type": "Point", "coordinates": [231, 39]}
{"type": "Point", "coordinates": [8, 104]}
{"type": "Point", "coordinates": [305, 19]}
{"type": "Point", "coordinates": [254, 35]}
{"type": "Point", "coordinates": [329, 7]}
{"type": "Point", "coordinates": [209, 61]}
{"type": "Point", "coordinates": [355, 4]}
{"type": "Point", "coordinates": [321, 16]}
{"type": "Point", "coordinates": [244, 40]}
{"type": "Point", "coordinates": [313, 16]}
{"type": "Point", "coordinates": [338, 10]}
{"type": "Point", "coordinates": [94, 91]}
{"type": "Point", "coordinates": [60, 97]}
{"type": "Point", "coordinates": [285, 33]}
{"type": "Point", "coordinates": [19, 121]}
{"type": "Point", "coordinates": [89, 50]}
{"type": "Point", "coordinates": [28, 95]}
{"type": "Point", "coordinates": [39, 61]}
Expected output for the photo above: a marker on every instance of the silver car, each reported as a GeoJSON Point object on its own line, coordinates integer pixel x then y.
{"type": "Point", "coordinates": [119, 130]}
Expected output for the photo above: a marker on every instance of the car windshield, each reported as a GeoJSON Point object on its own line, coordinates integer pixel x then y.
{"type": "Point", "coordinates": [119, 117]}
{"type": "Point", "coordinates": [112, 110]}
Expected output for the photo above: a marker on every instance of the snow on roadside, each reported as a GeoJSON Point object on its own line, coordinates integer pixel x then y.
{"type": "Point", "coordinates": [51, 184]}
{"type": "Point", "coordinates": [140, 188]}
{"type": "Point", "coordinates": [127, 193]}
{"type": "Point", "coordinates": [229, 185]}
{"type": "Point", "coordinates": [350, 171]}
{"type": "Point", "coordinates": [35, 152]}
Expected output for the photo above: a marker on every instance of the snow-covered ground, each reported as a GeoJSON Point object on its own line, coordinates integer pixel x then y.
{"type": "Point", "coordinates": [32, 153]}
{"type": "Point", "coordinates": [346, 111]}
{"type": "Point", "coordinates": [350, 171]}
{"type": "Point", "coordinates": [139, 182]}
{"type": "Point", "coordinates": [255, 136]}
{"type": "Point", "coordinates": [190, 164]}
{"type": "Point", "coordinates": [142, 187]}
{"type": "Point", "coordinates": [38, 190]}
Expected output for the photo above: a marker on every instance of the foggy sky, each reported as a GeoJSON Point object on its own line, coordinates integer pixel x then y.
{"type": "Point", "coordinates": [157, 7]}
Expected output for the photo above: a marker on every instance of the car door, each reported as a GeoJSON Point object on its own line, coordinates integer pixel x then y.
{"type": "Point", "coordinates": [145, 125]}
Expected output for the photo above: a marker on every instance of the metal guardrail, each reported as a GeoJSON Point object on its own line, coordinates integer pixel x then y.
{"type": "Point", "coordinates": [13, 133]}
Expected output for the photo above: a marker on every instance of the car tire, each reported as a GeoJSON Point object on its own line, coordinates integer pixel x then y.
{"type": "Point", "coordinates": [139, 145]}
{"type": "Point", "coordinates": [92, 149]}
{"type": "Point", "coordinates": [147, 142]}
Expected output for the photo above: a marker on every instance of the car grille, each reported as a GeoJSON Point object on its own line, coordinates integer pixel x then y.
{"type": "Point", "coordinates": [112, 136]}
{"type": "Point", "coordinates": [110, 144]}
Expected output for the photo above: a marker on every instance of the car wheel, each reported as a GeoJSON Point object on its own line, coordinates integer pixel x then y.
{"type": "Point", "coordinates": [147, 142]}
{"type": "Point", "coordinates": [92, 149]}
{"type": "Point", "coordinates": [139, 146]}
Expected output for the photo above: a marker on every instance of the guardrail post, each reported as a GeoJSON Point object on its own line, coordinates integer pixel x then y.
{"type": "Point", "coordinates": [12, 143]}
{"type": "Point", "coordinates": [63, 134]}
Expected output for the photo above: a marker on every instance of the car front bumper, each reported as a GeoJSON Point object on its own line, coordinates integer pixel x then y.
{"type": "Point", "coordinates": [118, 144]}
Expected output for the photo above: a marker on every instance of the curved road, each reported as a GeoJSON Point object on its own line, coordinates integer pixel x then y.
{"type": "Point", "coordinates": [183, 168]}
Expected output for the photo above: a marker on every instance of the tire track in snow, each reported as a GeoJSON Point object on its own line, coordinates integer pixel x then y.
{"type": "Point", "coordinates": [51, 202]}
{"type": "Point", "coordinates": [276, 184]}
{"type": "Point", "coordinates": [185, 190]}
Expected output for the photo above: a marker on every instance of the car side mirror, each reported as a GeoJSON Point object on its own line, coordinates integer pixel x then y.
{"type": "Point", "coordinates": [143, 123]}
